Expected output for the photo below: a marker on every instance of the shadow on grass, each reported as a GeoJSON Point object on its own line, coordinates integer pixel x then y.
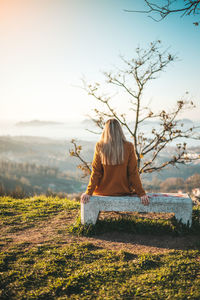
{"type": "Point", "coordinates": [154, 232]}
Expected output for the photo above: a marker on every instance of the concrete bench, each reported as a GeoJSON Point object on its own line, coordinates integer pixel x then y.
{"type": "Point", "coordinates": [179, 204]}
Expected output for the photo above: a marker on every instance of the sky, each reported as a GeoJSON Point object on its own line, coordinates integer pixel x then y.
{"type": "Point", "coordinates": [48, 46]}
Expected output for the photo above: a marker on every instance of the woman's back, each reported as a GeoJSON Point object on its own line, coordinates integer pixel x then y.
{"type": "Point", "coordinates": [114, 166]}
{"type": "Point", "coordinates": [118, 179]}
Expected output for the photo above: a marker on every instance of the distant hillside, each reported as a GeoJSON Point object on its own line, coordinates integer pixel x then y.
{"type": "Point", "coordinates": [37, 123]}
{"type": "Point", "coordinates": [36, 179]}
{"type": "Point", "coordinates": [55, 153]}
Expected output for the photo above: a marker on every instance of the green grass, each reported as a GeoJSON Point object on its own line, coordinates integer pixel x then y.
{"type": "Point", "coordinates": [23, 213]}
{"type": "Point", "coordinates": [81, 270]}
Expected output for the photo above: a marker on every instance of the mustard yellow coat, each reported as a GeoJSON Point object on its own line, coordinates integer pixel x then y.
{"type": "Point", "coordinates": [117, 180]}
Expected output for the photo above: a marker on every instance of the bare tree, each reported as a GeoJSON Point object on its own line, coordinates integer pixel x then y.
{"type": "Point", "coordinates": [133, 80]}
{"type": "Point", "coordinates": [167, 7]}
{"type": "Point", "coordinates": [84, 166]}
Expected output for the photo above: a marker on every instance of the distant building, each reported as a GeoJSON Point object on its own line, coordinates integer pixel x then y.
{"type": "Point", "coordinates": [196, 192]}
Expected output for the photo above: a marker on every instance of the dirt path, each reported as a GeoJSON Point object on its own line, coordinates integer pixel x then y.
{"type": "Point", "coordinates": [54, 231]}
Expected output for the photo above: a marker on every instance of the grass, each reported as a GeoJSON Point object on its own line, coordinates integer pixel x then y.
{"type": "Point", "coordinates": [72, 269]}
{"type": "Point", "coordinates": [24, 213]}
{"type": "Point", "coordinates": [82, 271]}
{"type": "Point", "coordinates": [134, 223]}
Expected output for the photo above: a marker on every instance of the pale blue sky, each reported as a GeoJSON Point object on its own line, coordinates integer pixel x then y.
{"type": "Point", "coordinates": [46, 46]}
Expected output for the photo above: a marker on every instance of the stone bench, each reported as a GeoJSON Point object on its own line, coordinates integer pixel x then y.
{"type": "Point", "coordinates": [179, 204]}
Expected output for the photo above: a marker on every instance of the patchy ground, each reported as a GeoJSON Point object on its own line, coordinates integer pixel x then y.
{"type": "Point", "coordinates": [53, 230]}
{"type": "Point", "coordinates": [133, 257]}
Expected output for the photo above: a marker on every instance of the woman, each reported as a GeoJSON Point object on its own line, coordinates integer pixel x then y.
{"type": "Point", "coordinates": [114, 166]}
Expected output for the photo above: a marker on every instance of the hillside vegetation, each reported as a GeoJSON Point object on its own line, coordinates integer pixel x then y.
{"type": "Point", "coordinates": [47, 254]}
{"type": "Point", "coordinates": [35, 165]}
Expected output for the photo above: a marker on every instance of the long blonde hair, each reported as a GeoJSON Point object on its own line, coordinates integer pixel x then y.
{"type": "Point", "coordinates": [111, 144]}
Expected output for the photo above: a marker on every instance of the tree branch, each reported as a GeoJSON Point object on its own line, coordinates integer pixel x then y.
{"type": "Point", "coordinates": [190, 7]}
{"type": "Point", "coordinates": [85, 166]}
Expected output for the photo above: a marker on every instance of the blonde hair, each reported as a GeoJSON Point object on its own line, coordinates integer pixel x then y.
{"type": "Point", "coordinates": [111, 144]}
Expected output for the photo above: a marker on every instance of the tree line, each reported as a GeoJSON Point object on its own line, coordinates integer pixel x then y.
{"type": "Point", "coordinates": [21, 180]}
{"type": "Point", "coordinates": [173, 184]}
{"type": "Point", "coordinates": [9, 167]}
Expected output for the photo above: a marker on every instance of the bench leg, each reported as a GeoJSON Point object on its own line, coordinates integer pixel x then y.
{"type": "Point", "coordinates": [185, 218]}
{"type": "Point", "coordinates": [89, 213]}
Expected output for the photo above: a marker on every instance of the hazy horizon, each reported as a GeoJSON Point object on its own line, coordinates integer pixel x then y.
{"type": "Point", "coordinates": [81, 120]}
{"type": "Point", "coordinates": [77, 129]}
